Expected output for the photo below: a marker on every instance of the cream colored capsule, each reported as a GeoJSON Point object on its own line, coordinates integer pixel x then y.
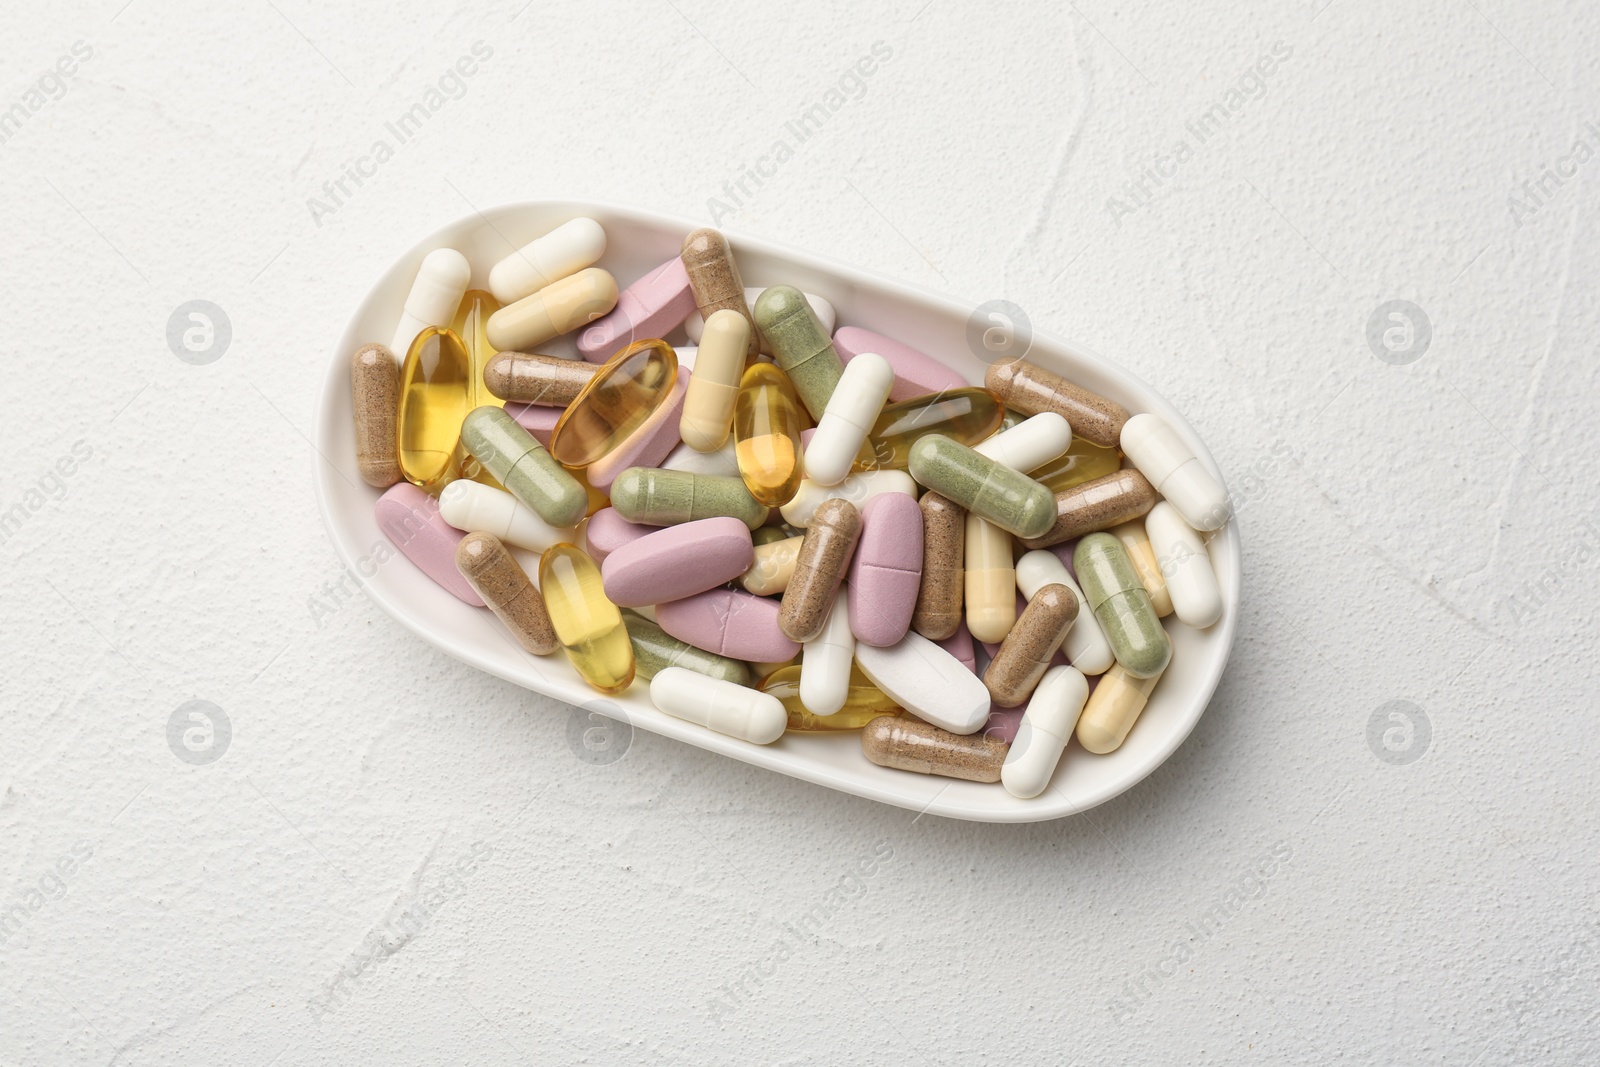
{"type": "Point", "coordinates": [1137, 542]}
{"type": "Point", "coordinates": [846, 421]}
{"type": "Point", "coordinates": [858, 489]}
{"type": "Point", "coordinates": [714, 385]}
{"type": "Point", "coordinates": [564, 305]}
{"type": "Point", "coordinates": [478, 508]}
{"type": "Point", "coordinates": [563, 251]}
{"type": "Point", "coordinates": [1085, 645]}
{"type": "Point", "coordinates": [769, 574]}
{"type": "Point", "coordinates": [1194, 594]}
{"type": "Point", "coordinates": [990, 582]}
{"type": "Point", "coordinates": [1030, 444]}
{"type": "Point", "coordinates": [1113, 708]}
{"type": "Point", "coordinates": [434, 296]}
{"type": "Point", "coordinates": [1045, 729]}
{"type": "Point", "coordinates": [719, 705]}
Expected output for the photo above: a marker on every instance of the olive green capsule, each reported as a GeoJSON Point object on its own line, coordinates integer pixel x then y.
{"type": "Point", "coordinates": [1009, 499]}
{"type": "Point", "coordinates": [800, 345]}
{"type": "Point", "coordinates": [654, 650]}
{"type": "Point", "coordinates": [521, 464]}
{"type": "Point", "coordinates": [1122, 607]}
{"type": "Point", "coordinates": [651, 496]}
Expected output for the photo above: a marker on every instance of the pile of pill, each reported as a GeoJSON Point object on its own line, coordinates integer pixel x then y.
{"type": "Point", "coordinates": [789, 527]}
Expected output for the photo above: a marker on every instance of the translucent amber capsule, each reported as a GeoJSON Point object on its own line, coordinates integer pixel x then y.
{"type": "Point", "coordinates": [1083, 462]}
{"type": "Point", "coordinates": [965, 415]}
{"type": "Point", "coordinates": [766, 435]}
{"type": "Point", "coordinates": [589, 626]}
{"type": "Point", "coordinates": [864, 703]}
{"type": "Point", "coordinates": [435, 395]}
{"type": "Point", "coordinates": [618, 399]}
{"type": "Point", "coordinates": [469, 326]}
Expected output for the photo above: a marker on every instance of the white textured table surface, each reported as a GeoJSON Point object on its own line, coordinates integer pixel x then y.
{"type": "Point", "coordinates": [393, 859]}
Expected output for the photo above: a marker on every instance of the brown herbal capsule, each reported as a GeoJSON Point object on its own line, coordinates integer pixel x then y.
{"type": "Point", "coordinates": [375, 402]}
{"type": "Point", "coordinates": [502, 583]}
{"type": "Point", "coordinates": [1026, 652]}
{"type": "Point", "coordinates": [909, 744]}
{"type": "Point", "coordinates": [1119, 497]}
{"type": "Point", "coordinates": [944, 527]}
{"type": "Point", "coordinates": [1031, 389]}
{"type": "Point", "coordinates": [530, 378]}
{"type": "Point", "coordinates": [714, 277]}
{"type": "Point", "coordinates": [824, 556]}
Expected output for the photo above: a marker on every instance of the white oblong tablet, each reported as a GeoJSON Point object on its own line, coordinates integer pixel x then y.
{"type": "Point", "coordinates": [1184, 563]}
{"type": "Point", "coordinates": [858, 489]}
{"type": "Point", "coordinates": [1046, 726]}
{"type": "Point", "coordinates": [1029, 444]}
{"type": "Point", "coordinates": [565, 250]}
{"type": "Point", "coordinates": [478, 508]}
{"type": "Point", "coordinates": [694, 326]}
{"type": "Point", "coordinates": [928, 682]}
{"type": "Point", "coordinates": [1085, 645]}
{"type": "Point", "coordinates": [845, 422]}
{"type": "Point", "coordinates": [825, 662]}
{"type": "Point", "coordinates": [1177, 474]}
{"type": "Point", "coordinates": [434, 297]}
{"type": "Point", "coordinates": [719, 705]}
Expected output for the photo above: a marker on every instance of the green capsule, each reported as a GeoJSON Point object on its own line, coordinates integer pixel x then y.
{"type": "Point", "coordinates": [1121, 606]}
{"type": "Point", "coordinates": [654, 650]}
{"type": "Point", "coordinates": [651, 496]}
{"type": "Point", "coordinates": [1009, 499]}
{"type": "Point", "coordinates": [800, 345]}
{"type": "Point", "coordinates": [521, 464]}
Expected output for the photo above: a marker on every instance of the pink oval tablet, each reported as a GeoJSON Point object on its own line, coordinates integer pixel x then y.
{"type": "Point", "coordinates": [678, 561]}
{"type": "Point", "coordinates": [537, 420]}
{"type": "Point", "coordinates": [886, 571]}
{"type": "Point", "coordinates": [608, 531]}
{"type": "Point", "coordinates": [959, 645]}
{"type": "Point", "coordinates": [410, 519]}
{"type": "Point", "coordinates": [914, 373]}
{"type": "Point", "coordinates": [729, 622]}
{"type": "Point", "coordinates": [653, 306]}
{"type": "Point", "coordinates": [647, 446]}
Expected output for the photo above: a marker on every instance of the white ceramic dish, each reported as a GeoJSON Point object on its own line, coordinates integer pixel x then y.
{"type": "Point", "coordinates": [937, 325]}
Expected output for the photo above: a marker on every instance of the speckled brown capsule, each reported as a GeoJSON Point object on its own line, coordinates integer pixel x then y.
{"type": "Point", "coordinates": [529, 378]}
{"type": "Point", "coordinates": [491, 570]}
{"type": "Point", "coordinates": [909, 744]}
{"type": "Point", "coordinates": [375, 402]}
{"type": "Point", "coordinates": [1031, 389]}
{"type": "Point", "coordinates": [944, 525]}
{"type": "Point", "coordinates": [1119, 497]}
{"type": "Point", "coordinates": [825, 554]}
{"type": "Point", "coordinates": [1025, 654]}
{"type": "Point", "coordinates": [714, 277]}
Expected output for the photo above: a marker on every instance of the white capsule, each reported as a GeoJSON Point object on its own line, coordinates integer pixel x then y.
{"type": "Point", "coordinates": [1045, 729]}
{"type": "Point", "coordinates": [1191, 583]}
{"type": "Point", "coordinates": [434, 297]}
{"type": "Point", "coordinates": [693, 325]}
{"type": "Point", "coordinates": [825, 663]}
{"type": "Point", "coordinates": [858, 489]}
{"type": "Point", "coordinates": [478, 508]}
{"type": "Point", "coordinates": [723, 461]}
{"type": "Point", "coordinates": [1177, 474]}
{"type": "Point", "coordinates": [565, 250]}
{"type": "Point", "coordinates": [848, 418]}
{"type": "Point", "coordinates": [1085, 644]}
{"type": "Point", "coordinates": [1112, 709]}
{"type": "Point", "coordinates": [714, 385]}
{"type": "Point", "coordinates": [1030, 444]}
{"type": "Point", "coordinates": [928, 682]}
{"type": "Point", "coordinates": [719, 705]}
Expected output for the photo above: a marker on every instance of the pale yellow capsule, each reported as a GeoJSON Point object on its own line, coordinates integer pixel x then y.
{"type": "Point", "coordinates": [714, 384]}
{"type": "Point", "coordinates": [1137, 543]}
{"type": "Point", "coordinates": [990, 581]}
{"type": "Point", "coordinates": [769, 574]}
{"type": "Point", "coordinates": [558, 307]}
{"type": "Point", "coordinates": [1113, 708]}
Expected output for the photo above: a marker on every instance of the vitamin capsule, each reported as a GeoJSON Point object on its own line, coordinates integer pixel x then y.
{"type": "Point", "coordinates": [653, 306]}
{"type": "Point", "coordinates": [1098, 505]}
{"type": "Point", "coordinates": [1043, 734]}
{"type": "Point", "coordinates": [914, 373]}
{"type": "Point", "coordinates": [694, 326]}
{"type": "Point", "coordinates": [375, 402]}
{"type": "Point", "coordinates": [471, 327]}
{"type": "Point", "coordinates": [714, 278]}
{"type": "Point", "coordinates": [529, 378]}
{"type": "Point", "coordinates": [729, 622]}
{"type": "Point", "coordinates": [824, 556]}
{"type": "Point", "coordinates": [1172, 467]}
{"type": "Point", "coordinates": [858, 489]}
{"type": "Point", "coordinates": [647, 446]}
{"type": "Point", "coordinates": [478, 508]}
{"type": "Point", "coordinates": [618, 399]}
{"type": "Point", "coordinates": [826, 663]}
{"type": "Point", "coordinates": [588, 625]}
{"type": "Point", "coordinates": [1136, 543]}
{"type": "Point", "coordinates": [718, 705]}
{"type": "Point", "coordinates": [989, 582]}
{"type": "Point", "coordinates": [939, 595]}
{"type": "Point", "coordinates": [863, 702]}
{"type": "Point", "coordinates": [966, 415]}
{"type": "Point", "coordinates": [528, 472]}
{"type": "Point", "coordinates": [654, 650]}
{"type": "Point", "coordinates": [800, 345]}
{"type": "Point", "coordinates": [766, 434]}
{"type": "Point", "coordinates": [1031, 443]}
{"type": "Point", "coordinates": [927, 681]}
{"type": "Point", "coordinates": [441, 282]}
{"type": "Point", "coordinates": [435, 395]}
{"type": "Point", "coordinates": [909, 745]}
{"type": "Point", "coordinates": [1007, 498]}
{"type": "Point", "coordinates": [1026, 652]}
{"type": "Point", "coordinates": [1083, 461]}
{"type": "Point", "coordinates": [654, 497]}
{"type": "Point", "coordinates": [1183, 562]}
{"type": "Point", "coordinates": [502, 583]}
{"type": "Point", "coordinates": [564, 251]}
{"type": "Point", "coordinates": [886, 570]}
{"type": "Point", "coordinates": [1085, 646]}
{"type": "Point", "coordinates": [714, 385]}
{"type": "Point", "coordinates": [850, 414]}
{"type": "Point", "coordinates": [1031, 389]}
{"type": "Point", "coordinates": [561, 306]}
{"type": "Point", "coordinates": [1113, 708]}
{"type": "Point", "coordinates": [676, 562]}
{"type": "Point", "coordinates": [1113, 592]}
{"type": "Point", "coordinates": [607, 531]}
{"type": "Point", "coordinates": [410, 519]}
{"type": "Point", "coordinates": [772, 565]}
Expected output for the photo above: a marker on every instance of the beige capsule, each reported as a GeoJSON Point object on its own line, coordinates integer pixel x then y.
{"type": "Point", "coordinates": [1113, 708]}
{"type": "Point", "coordinates": [1030, 389]}
{"type": "Point", "coordinates": [773, 566]}
{"type": "Point", "coordinates": [1137, 543]}
{"type": "Point", "coordinates": [552, 311]}
{"type": "Point", "coordinates": [375, 402]}
{"type": "Point", "coordinates": [491, 570]}
{"type": "Point", "coordinates": [944, 538]}
{"type": "Point", "coordinates": [1119, 497]}
{"type": "Point", "coordinates": [908, 744]}
{"type": "Point", "coordinates": [714, 277]}
{"type": "Point", "coordinates": [531, 378]}
{"type": "Point", "coordinates": [825, 553]}
{"type": "Point", "coordinates": [1025, 653]}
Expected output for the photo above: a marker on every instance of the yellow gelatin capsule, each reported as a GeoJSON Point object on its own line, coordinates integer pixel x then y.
{"type": "Point", "coordinates": [1083, 461]}
{"type": "Point", "coordinates": [618, 399]}
{"type": "Point", "coordinates": [864, 702]}
{"type": "Point", "coordinates": [589, 626]}
{"type": "Point", "coordinates": [471, 326]}
{"type": "Point", "coordinates": [435, 395]}
{"type": "Point", "coordinates": [967, 415]}
{"type": "Point", "coordinates": [766, 435]}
